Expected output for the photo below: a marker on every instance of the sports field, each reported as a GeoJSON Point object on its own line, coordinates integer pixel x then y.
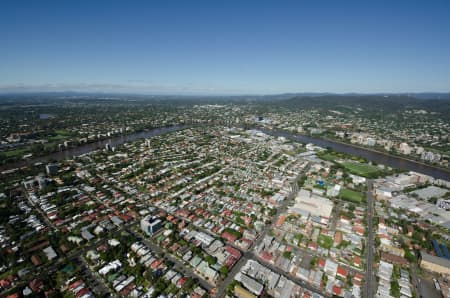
{"type": "Point", "coordinates": [351, 195]}
{"type": "Point", "coordinates": [361, 169]}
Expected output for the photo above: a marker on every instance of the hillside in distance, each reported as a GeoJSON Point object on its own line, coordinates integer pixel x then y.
{"type": "Point", "coordinates": [372, 103]}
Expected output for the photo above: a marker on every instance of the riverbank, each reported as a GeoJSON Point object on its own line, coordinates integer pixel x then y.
{"type": "Point", "coordinates": [85, 148]}
{"type": "Point", "coordinates": [367, 153]}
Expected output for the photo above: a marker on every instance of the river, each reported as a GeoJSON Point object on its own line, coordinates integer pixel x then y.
{"type": "Point", "coordinates": [379, 157]}
{"type": "Point", "coordinates": [85, 148]}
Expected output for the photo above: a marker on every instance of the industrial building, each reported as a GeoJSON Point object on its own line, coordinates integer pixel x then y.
{"type": "Point", "coordinates": [308, 204]}
{"type": "Point", "coordinates": [434, 264]}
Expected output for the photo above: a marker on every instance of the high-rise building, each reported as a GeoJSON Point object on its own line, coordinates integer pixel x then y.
{"type": "Point", "coordinates": [51, 169]}
{"type": "Point", "coordinates": [151, 224]}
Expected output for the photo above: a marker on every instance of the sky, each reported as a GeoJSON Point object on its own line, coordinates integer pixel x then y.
{"type": "Point", "coordinates": [225, 47]}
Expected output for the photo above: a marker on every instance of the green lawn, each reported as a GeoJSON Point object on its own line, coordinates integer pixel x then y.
{"type": "Point", "coordinates": [325, 241]}
{"type": "Point", "coordinates": [351, 195]}
{"type": "Point", "coordinates": [16, 152]}
{"type": "Point", "coordinates": [361, 169]}
{"type": "Point", "coordinates": [61, 134]}
{"type": "Point", "coordinates": [58, 138]}
{"type": "Point", "coordinates": [328, 156]}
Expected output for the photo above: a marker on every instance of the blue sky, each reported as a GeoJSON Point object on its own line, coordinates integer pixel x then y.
{"type": "Point", "coordinates": [225, 47]}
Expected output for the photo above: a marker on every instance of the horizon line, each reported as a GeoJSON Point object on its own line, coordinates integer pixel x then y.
{"type": "Point", "coordinates": [188, 94]}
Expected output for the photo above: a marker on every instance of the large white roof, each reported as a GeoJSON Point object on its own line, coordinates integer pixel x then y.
{"type": "Point", "coordinates": [314, 204]}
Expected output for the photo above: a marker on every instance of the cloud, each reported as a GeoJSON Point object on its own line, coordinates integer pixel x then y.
{"type": "Point", "coordinates": [131, 86]}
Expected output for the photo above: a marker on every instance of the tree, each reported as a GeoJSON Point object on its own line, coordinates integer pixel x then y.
{"type": "Point", "coordinates": [351, 207]}
{"type": "Point", "coordinates": [37, 149]}
{"type": "Point", "coordinates": [395, 288]}
{"type": "Point", "coordinates": [287, 254]}
{"type": "Point", "coordinates": [433, 200]}
{"type": "Point", "coordinates": [211, 260]}
{"type": "Point", "coordinates": [224, 271]}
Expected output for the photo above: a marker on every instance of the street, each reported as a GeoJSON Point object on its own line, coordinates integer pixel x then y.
{"type": "Point", "coordinates": [369, 285]}
{"type": "Point", "coordinates": [179, 266]}
{"type": "Point", "coordinates": [251, 255]}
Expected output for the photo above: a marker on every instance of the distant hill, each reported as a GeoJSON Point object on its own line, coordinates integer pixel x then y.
{"type": "Point", "coordinates": [281, 96]}
{"type": "Point", "coordinates": [431, 95]}
{"type": "Point", "coordinates": [374, 103]}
